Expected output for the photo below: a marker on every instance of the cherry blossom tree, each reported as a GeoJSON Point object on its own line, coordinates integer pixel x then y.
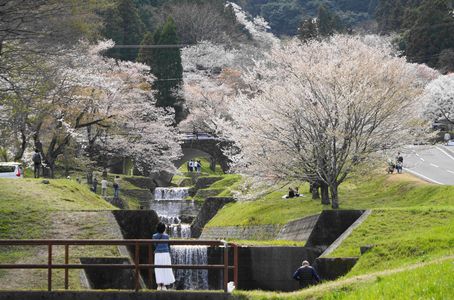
{"type": "Point", "coordinates": [82, 97]}
{"type": "Point", "coordinates": [316, 111]}
{"type": "Point", "coordinates": [439, 99]}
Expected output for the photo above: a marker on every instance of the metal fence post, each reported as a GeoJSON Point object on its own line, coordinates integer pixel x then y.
{"type": "Point", "coordinates": [49, 267]}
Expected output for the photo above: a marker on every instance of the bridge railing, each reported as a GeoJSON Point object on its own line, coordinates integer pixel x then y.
{"type": "Point", "coordinates": [136, 266]}
{"type": "Point", "coordinates": [188, 136]}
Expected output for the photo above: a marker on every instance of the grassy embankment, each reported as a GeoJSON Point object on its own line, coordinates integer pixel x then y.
{"type": "Point", "coordinates": [221, 188]}
{"type": "Point", "coordinates": [64, 209]}
{"type": "Point", "coordinates": [412, 222]}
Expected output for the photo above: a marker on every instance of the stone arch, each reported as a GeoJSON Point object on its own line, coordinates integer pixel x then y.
{"type": "Point", "coordinates": [209, 148]}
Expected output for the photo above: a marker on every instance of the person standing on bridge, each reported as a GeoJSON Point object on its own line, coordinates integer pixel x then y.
{"type": "Point", "coordinates": [164, 276]}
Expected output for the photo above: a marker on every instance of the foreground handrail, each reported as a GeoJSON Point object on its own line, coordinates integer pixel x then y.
{"type": "Point", "coordinates": [137, 266]}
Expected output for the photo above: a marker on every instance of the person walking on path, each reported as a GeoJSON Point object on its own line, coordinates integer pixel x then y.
{"type": "Point", "coordinates": [36, 163]}
{"type": "Point", "coordinates": [164, 276]}
{"type": "Point", "coordinates": [399, 163]}
{"type": "Point", "coordinates": [104, 187]}
{"type": "Point", "coordinates": [199, 166]}
{"type": "Point", "coordinates": [116, 186]}
{"type": "Point", "coordinates": [95, 185]}
{"type": "Point", "coordinates": [306, 275]}
{"type": "Point", "coordinates": [191, 165]}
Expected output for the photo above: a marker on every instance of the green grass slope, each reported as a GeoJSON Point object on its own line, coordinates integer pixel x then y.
{"type": "Point", "coordinates": [62, 209]}
{"type": "Point", "coordinates": [399, 238]}
{"type": "Point", "coordinates": [59, 194]}
{"type": "Point", "coordinates": [371, 192]}
{"type": "Point", "coordinates": [421, 281]}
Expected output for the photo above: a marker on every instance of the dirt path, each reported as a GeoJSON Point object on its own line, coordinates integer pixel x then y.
{"type": "Point", "coordinates": [335, 285]}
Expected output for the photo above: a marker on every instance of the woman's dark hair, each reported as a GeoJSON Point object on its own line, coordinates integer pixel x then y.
{"type": "Point", "coordinates": [161, 228]}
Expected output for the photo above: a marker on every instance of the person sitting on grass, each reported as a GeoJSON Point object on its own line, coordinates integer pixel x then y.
{"type": "Point", "coordinates": [291, 193]}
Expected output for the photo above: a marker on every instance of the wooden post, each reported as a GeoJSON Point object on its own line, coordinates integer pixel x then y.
{"type": "Point", "coordinates": [49, 267]}
{"type": "Point", "coordinates": [136, 263]}
{"type": "Point", "coordinates": [226, 266]}
{"type": "Point", "coordinates": [150, 261]}
{"type": "Point", "coordinates": [66, 269]}
{"type": "Point", "coordinates": [235, 264]}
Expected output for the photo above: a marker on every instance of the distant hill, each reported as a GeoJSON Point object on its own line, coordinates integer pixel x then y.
{"type": "Point", "coordinates": [285, 16]}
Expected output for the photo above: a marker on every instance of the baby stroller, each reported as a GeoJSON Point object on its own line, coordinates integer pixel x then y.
{"type": "Point", "coordinates": [391, 168]}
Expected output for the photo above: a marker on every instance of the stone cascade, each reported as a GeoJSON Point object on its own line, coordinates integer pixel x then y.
{"type": "Point", "coordinates": [170, 204]}
{"type": "Point", "coordinates": [190, 279]}
{"type": "Point", "coordinates": [168, 194]}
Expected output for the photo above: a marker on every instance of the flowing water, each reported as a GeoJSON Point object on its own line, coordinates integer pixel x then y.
{"type": "Point", "coordinates": [190, 279]}
{"type": "Point", "coordinates": [170, 205]}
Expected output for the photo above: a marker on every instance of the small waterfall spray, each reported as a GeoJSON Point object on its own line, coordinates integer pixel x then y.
{"type": "Point", "coordinates": [170, 204]}
{"type": "Point", "coordinates": [190, 279]}
{"type": "Point", "coordinates": [165, 194]}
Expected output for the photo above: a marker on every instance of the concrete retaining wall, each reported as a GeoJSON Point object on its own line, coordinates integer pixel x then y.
{"type": "Point", "coordinates": [209, 209]}
{"type": "Point", "coordinates": [261, 232]}
{"type": "Point", "coordinates": [108, 278]}
{"type": "Point", "coordinates": [333, 268]}
{"type": "Point", "coordinates": [114, 295]}
{"type": "Point", "coordinates": [330, 225]}
{"type": "Point", "coordinates": [298, 230]}
{"type": "Point", "coordinates": [265, 268]}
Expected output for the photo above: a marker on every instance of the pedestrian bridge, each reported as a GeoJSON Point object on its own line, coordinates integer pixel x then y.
{"type": "Point", "coordinates": [203, 144]}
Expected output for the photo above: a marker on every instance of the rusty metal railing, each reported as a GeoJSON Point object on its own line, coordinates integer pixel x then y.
{"type": "Point", "coordinates": [136, 266]}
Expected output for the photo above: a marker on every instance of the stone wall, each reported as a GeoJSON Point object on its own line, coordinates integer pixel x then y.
{"type": "Point", "coordinates": [298, 230]}
{"type": "Point", "coordinates": [330, 225]}
{"type": "Point", "coordinates": [141, 182]}
{"type": "Point", "coordinates": [265, 268]}
{"type": "Point", "coordinates": [260, 232]}
{"type": "Point", "coordinates": [114, 295]}
{"type": "Point", "coordinates": [108, 278]}
{"type": "Point", "coordinates": [204, 182]}
{"type": "Point", "coordinates": [209, 209]}
{"type": "Point", "coordinates": [333, 268]}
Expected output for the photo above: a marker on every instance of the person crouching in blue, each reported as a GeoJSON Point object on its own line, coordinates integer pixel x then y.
{"type": "Point", "coordinates": [306, 275]}
{"type": "Point", "coordinates": [164, 276]}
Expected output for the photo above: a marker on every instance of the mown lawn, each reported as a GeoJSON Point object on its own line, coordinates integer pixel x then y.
{"type": "Point", "coordinates": [59, 194]}
{"type": "Point", "coordinates": [63, 208]}
{"type": "Point", "coordinates": [430, 281]}
{"type": "Point", "coordinates": [399, 237]}
{"type": "Point", "coordinates": [380, 191]}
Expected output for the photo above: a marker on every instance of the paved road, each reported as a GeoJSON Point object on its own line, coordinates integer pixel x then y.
{"type": "Point", "coordinates": [432, 163]}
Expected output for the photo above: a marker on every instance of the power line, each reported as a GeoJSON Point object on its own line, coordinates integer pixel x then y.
{"type": "Point", "coordinates": [152, 46]}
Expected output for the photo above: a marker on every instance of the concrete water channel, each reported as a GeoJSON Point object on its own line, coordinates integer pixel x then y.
{"type": "Point", "coordinates": [264, 268]}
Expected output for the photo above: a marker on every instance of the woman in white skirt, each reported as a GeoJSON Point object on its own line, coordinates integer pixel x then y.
{"type": "Point", "coordinates": [164, 276]}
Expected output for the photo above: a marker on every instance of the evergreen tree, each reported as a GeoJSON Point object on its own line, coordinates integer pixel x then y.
{"type": "Point", "coordinates": [165, 64]}
{"type": "Point", "coordinates": [308, 30]}
{"type": "Point", "coordinates": [431, 33]}
{"type": "Point", "coordinates": [124, 27]}
{"type": "Point", "coordinates": [328, 22]}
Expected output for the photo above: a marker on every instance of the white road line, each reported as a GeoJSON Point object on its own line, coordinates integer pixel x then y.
{"type": "Point", "coordinates": [444, 152]}
{"type": "Point", "coordinates": [421, 159]}
{"type": "Point", "coordinates": [417, 154]}
{"type": "Point", "coordinates": [450, 171]}
{"type": "Point", "coordinates": [422, 176]}
{"type": "Point", "coordinates": [433, 165]}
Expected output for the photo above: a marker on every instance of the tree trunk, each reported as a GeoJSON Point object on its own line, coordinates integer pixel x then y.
{"type": "Point", "coordinates": [313, 189]}
{"type": "Point", "coordinates": [89, 176]}
{"type": "Point", "coordinates": [325, 193]}
{"type": "Point", "coordinates": [20, 153]}
{"type": "Point", "coordinates": [334, 196]}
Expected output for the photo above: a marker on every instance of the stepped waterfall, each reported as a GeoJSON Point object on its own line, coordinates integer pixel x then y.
{"type": "Point", "coordinates": [170, 205]}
